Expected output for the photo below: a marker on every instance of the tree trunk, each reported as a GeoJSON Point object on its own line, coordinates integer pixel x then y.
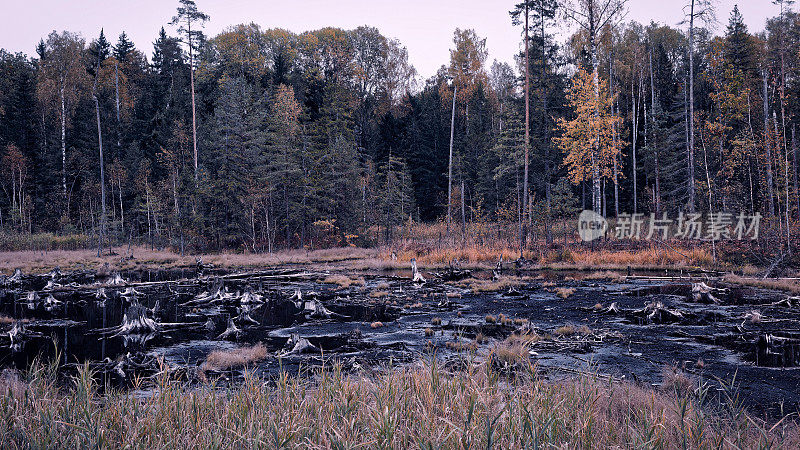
{"type": "Point", "coordinates": [450, 161]}
{"type": "Point", "coordinates": [596, 78]}
{"type": "Point", "coordinates": [614, 136]}
{"type": "Point", "coordinates": [63, 144]}
{"type": "Point", "coordinates": [691, 108]}
{"type": "Point", "coordinates": [116, 94]}
{"type": "Point", "coordinates": [545, 128]}
{"type": "Point", "coordinates": [767, 147]}
{"type": "Point", "coordinates": [657, 192]}
{"type": "Point", "coordinates": [634, 127]}
{"type": "Point", "coordinates": [121, 210]}
{"type": "Point", "coordinates": [102, 169]}
{"type": "Point", "coordinates": [794, 165]}
{"type": "Point", "coordinates": [526, 144]}
{"type": "Point", "coordinates": [191, 81]}
{"type": "Point", "coordinates": [463, 214]}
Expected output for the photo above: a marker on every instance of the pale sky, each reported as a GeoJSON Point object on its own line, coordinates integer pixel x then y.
{"type": "Point", "coordinates": [424, 26]}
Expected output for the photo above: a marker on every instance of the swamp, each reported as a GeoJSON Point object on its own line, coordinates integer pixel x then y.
{"type": "Point", "coordinates": [204, 324]}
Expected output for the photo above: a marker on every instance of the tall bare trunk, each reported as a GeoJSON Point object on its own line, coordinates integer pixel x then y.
{"type": "Point", "coordinates": [121, 209]}
{"type": "Point", "coordinates": [657, 193]}
{"type": "Point", "coordinates": [545, 128]}
{"type": "Point", "coordinates": [116, 95]}
{"type": "Point", "coordinates": [634, 132]}
{"type": "Point", "coordinates": [768, 149]}
{"type": "Point", "coordinates": [596, 78]}
{"type": "Point", "coordinates": [691, 108]}
{"type": "Point", "coordinates": [63, 143]}
{"type": "Point", "coordinates": [102, 168]}
{"type": "Point", "coordinates": [794, 165]}
{"type": "Point", "coordinates": [526, 144]}
{"type": "Point", "coordinates": [450, 160]}
{"type": "Point", "coordinates": [191, 81]}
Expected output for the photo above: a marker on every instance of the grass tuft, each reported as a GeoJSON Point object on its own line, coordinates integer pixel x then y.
{"type": "Point", "coordinates": [421, 405]}
{"type": "Point", "coordinates": [565, 292]}
{"type": "Point", "coordinates": [220, 360]}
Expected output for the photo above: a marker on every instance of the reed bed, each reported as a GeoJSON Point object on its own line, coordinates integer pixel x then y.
{"type": "Point", "coordinates": [484, 244]}
{"type": "Point", "coordinates": [421, 406]}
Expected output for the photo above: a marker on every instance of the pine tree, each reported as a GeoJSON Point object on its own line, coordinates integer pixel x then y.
{"type": "Point", "coordinates": [124, 48]}
{"type": "Point", "coordinates": [236, 161]}
{"type": "Point", "coordinates": [189, 16]}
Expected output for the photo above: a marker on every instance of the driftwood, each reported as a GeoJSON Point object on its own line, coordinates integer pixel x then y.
{"type": "Point", "coordinates": [231, 331]}
{"type": "Point", "coordinates": [454, 272]}
{"type": "Point", "coordinates": [244, 316]}
{"type": "Point", "coordinates": [127, 363]}
{"type": "Point", "coordinates": [19, 333]}
{"type": "Point", "coordinates": [16, 278]}
{"type": "Point", "coordinates": [51, 302]}
{"type": "Point", "coordinates": [250, 297]}
{"type": "Point", "coordinates": [298, 345]}
{"type": "Point", "coordinates": [116, 280]}
{"type": "Point", "coordinates": [513, 292]}
{"type": "Point", "coordinates": [656, 312]}
{"type": "Point", "coordinates": [703, 293]}
{"type": "Point", "coordinates": [498, 269]}
{"type": "Point", "coordinates": [416, 276]}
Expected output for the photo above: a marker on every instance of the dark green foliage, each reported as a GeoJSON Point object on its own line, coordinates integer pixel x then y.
{"type": "Point", "coordinates": [307, 140]}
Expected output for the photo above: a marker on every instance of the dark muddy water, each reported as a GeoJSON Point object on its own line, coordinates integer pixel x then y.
{"type": "Point", "coordinates": [633, 329]}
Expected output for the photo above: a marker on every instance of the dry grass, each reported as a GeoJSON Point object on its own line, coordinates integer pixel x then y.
{"type": "Point", "coordinates": [5, 320]}
{"type": "Point", "coordinates": [484, 285]}
{"type": "Point", "coordinates": [620, 259]}
{"type": "Point", "coordinates": [138, 256]}
{"type": "Point", "coordinates": [484, 244]}
{"type": "Point", "coordinates": [565, 330]}
{"type": "Point", "coordinates": [374, 325]}
{"type": "Point", "coordinates": [564, 292]}
{"type": "Point", "coordinates": [379, 294]}
{"type": "Point", "coordinates": [491, 319]}
{"type": "Point", "coordinates": [569, 330]}
{"type": "Point", "coordinates": [417, 406]}
{"type": "Point", "coordinates": [675, 380]}
{"type": "Point", "coordinates": [383, 286]}
{"type": "Point", "coordinates": [429, 332]}
{"type": "Point", "coordinates": [436, 321]}
{"type": "Point", "coordinates": [781, 284]}
{"type": "Point", "coordinates": [220, 360]}
{"type": "Point", "coordinates": [462, 346]}
{"type": "Point", "coordinates": [510, 352]}
{"type": "Point", "coordinates": [344, 281]}
{"type": "Point", "coordinates": [750, 270]}
{"type": "Point", "coordinates": [605, 275]}
{"type": "Point", "coordinates": [526, 338]}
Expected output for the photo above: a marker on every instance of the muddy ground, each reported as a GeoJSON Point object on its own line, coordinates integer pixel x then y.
{"type": "Point", "coordinates": [636, 328]}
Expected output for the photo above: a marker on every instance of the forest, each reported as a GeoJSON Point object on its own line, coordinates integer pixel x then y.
{"type": "Point", "coordinates": [265, 139]}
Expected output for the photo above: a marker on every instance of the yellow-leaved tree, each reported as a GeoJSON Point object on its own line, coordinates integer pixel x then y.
{"type": "Point", "coordinates": [587, 139]}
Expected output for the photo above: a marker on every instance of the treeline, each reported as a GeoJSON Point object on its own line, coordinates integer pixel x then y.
{"type": "Point", "coordinates": [266, 139]}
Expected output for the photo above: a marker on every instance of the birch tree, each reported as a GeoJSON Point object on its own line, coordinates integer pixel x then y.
{"type": "Point", "coordinates": [592, 16]}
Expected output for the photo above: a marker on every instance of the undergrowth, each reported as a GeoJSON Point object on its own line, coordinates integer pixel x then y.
{"type": "Point", "coordinates": [419, 406]}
